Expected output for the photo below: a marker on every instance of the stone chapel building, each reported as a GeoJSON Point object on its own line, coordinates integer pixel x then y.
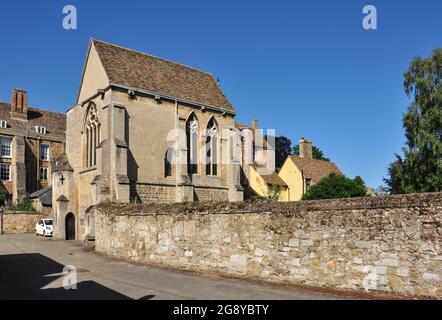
{"type": "Point", "coordinates": [121, 134]}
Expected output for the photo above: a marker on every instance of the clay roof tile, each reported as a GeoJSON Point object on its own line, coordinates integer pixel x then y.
{"type": "Point", "coordinates": [138, 70]}
{"type": "Point", "coordinates": [315, 169]}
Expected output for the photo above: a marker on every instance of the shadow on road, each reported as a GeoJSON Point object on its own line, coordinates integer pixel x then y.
{"type": "Point", "coordinates": [24, 276]}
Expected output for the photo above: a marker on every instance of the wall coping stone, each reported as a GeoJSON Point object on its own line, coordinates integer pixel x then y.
{"type": "Point", "coordinates": [171, 183]}
{"type": "Point", "coordinates": [22, 212]}
{"type": "Point", "coordinates": [262, 206]}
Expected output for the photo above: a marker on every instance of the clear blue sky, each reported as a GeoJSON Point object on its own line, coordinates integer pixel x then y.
{"type": "Point", "coordinates": [306, 68]}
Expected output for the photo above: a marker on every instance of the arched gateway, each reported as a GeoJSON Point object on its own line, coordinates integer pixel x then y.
{"type": "Point", "coordinates": [70, 226]}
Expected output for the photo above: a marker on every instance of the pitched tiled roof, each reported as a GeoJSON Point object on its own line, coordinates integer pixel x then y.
{"type": "Point", "coordinates": [55, 122]}
{"type": "Point", "coordinates": [142, 71]}
{"type": "Point", "coordinates": [62, 164]}
{"type": "Point", "coordinates": [274, 179]}
{"type": "Point", "coordinates": [45, 196]}
{"type": "Point", "coordinates": [315, 169]}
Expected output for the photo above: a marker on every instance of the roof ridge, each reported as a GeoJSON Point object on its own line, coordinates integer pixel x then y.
{"type": "Point", "coordinates": [298, 157]}
{"type": "Point", "coordinates": [39, 109]}
{"type": "Point", "coordinates": [46, 110]}
{"type": "Point", "coordinates": [152, 56]}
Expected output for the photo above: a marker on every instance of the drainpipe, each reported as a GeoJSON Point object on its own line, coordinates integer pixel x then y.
{"type": "Point", "coordinates": [38, 162]}
{"type": "Point", "coordinates": [303, 188]}
{"type": "Point", "coordinates": [177, 147]}
{"type": "Point", "coordinates": [1, 220]}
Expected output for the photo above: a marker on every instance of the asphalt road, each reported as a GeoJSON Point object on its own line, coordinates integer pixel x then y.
{"type": "Point", "coordinates": [32, 268]}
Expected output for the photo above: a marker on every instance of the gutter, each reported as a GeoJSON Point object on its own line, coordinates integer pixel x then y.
{"type": "Point", "coordinates": [154, 94]}
{"type": "Point", "coordinates": [167, 97]}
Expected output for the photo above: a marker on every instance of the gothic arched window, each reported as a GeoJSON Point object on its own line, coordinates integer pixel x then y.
{"type": "Point", "coordinates": [192, 128]}
{"type": "Point", "coordinates": [212, 148]}
{"type": "Point", "coordinates": [91, 135]}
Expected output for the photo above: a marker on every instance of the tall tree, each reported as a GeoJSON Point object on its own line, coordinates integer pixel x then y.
{"type": "Point", "coordinates": [420, 169]}
{"type": "Point", "coordinates": [316, 152]}
{"type": "Point", "coordinates": [283, 148]}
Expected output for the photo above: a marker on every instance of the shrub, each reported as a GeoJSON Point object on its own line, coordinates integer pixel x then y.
{"type": "Point", "coordinates": [336, 186]}
{"type": "Point", "coordinates": [25, 205]}
{"type": "Point", "coordinates": [4, 197]}
{"type": "Point", "coordinates": [274, 192]}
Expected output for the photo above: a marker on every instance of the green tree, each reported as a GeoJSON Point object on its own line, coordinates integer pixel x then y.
{"type": "Point", "coordinates": [316, 152]}
{"type": "Point", "coordinates": [420, 168]}
{"type": "Point", "coordinates": [359, 181]}
{"type": "Point", "coordinates": [336, 186]}
{"type": "Point", "coordinates": [282, 150]}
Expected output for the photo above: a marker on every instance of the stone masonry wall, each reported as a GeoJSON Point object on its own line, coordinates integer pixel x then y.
{"type": "Point", "coordinates": [153, 193]}
{"type": "Point", "coordinates": [20, 222]}
{"type": "Point", "coordinates": [388, 244]}
{"type": "Point", "coordinates": [145, 193]}
{"type": "Point", "coordinates": [210, 194]}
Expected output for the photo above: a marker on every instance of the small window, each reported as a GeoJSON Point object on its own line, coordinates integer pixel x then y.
{"type": "Point", "coordinates": [40, 130]}
{"type": "Point", "coordinates": [44, 152]}
{"type": "Point", "coordinates": [5, 147]}
{"type": "Point", "coordinates": [3, 124]}
{"type": "Point", "coordinates": [43, 173]}
{"type": "Point", "coordinates": [5, 171]}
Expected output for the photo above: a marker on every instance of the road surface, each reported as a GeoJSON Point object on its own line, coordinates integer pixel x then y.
{"type": "Point", "coordinates": [32, 268]}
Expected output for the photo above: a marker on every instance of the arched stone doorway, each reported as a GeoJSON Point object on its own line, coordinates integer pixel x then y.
{"type": "Point", "coordinates": [70, 226]}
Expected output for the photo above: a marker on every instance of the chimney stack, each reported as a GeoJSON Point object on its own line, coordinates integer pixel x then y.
{"type": "Point", "coordinates": [255, 124]}
{"type": "Point", "coordinates": [19, 104]}
{"type": "Point", "coordinates": [305, 149]}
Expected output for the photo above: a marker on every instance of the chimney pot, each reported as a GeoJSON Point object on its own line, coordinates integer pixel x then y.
{"type": "Point", "coordinates": [19, 104]}
{"type": "Point", "coordinates": [305, 149]}
{"type": "Point", "coordinates": [255, 124]}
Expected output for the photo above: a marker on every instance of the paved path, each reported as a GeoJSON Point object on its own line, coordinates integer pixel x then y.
{"type": "Point", "coordinates": [31, 267]}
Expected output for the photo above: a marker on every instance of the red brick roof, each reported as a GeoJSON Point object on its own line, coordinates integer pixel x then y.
{"type": "Point", "coordinates": [55, 122]}
{"type": "Point", "coordinates": [315, 169]}
{"type": "Point", "coordinates": [142, 71]}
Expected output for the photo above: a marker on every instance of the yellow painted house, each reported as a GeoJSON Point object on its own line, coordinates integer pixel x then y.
{"type": "Point", "coordinates": [295, 177]}
{"type": "Point", "coordinates": [271, 186]}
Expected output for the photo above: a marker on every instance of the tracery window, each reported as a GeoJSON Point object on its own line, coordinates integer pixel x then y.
{"type": "Point", "coordinates": [212, 148]}
{"type": "Point", "coordinates": [192, 128]}
{"type": "Point", "coordinates": [91, 136]}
